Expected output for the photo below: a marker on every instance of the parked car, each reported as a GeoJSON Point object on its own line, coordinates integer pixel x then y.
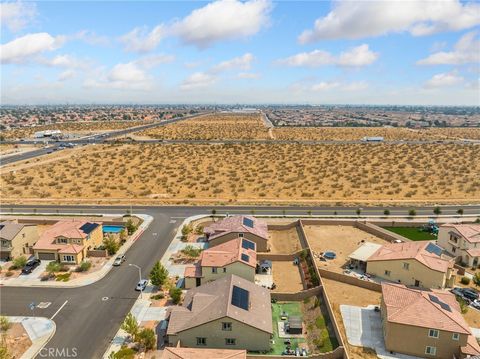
{"type": "Point", "coordinates": [459, 293]}
{"type": "Point", "coordinates": [30, 266]}
{"type": "Point", "coordinates": [470, 293]}
{"type": "Point", "coordinates": [475, 304]}
{"type": "Point", "coordinates": [141, 285]}
{"type": "Point", "coordinates": [119, 260]}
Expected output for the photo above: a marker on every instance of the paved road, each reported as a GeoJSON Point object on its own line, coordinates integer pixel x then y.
{"type": "Point", "coordinates": [87, 322]}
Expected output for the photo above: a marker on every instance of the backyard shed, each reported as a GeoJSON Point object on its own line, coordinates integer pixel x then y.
{"type": "Point", "coordinates": [294, 325]}
{"type": "Point", "coordinates": [358, 259]}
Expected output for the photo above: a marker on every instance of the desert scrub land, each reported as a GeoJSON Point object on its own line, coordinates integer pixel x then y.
{"type": "Point", "coordinates": [73, 127]}
{"type": "Point", "coordinates": [250, 173]}
{"type": "Point", "coordinates": [357, 133]}
{"type": "Point", "coordinates": [222, 126]}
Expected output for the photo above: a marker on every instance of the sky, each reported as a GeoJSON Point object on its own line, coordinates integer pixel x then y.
{"type": "Point", "coordinates": [249, 52]}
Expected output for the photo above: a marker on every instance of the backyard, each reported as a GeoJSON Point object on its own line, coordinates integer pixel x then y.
{"type": "Point", "coordinates": [292, 309]}
{"type": "Point", "coordinates": [284, 241]}
{"type": "Point", "coordinates": [412, 233]}
{"type": "Point", "coordinates": [286, 276]}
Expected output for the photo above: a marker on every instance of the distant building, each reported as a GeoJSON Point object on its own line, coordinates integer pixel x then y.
{"type": "Point", "coordinates": [237, 256]}
{"type": "Point", "coordinates": [419, 264]}
{"type": "Point", "coordinates": [461, 241]}
{"type": "Point", "coordinates": [373, 139]}
{"type": "Point", "coordinates": [48, 133]}
{"type": "Point", "coordinates": [425, 324]}
{"type": "Point", "coordinates": [16, 239]}
{"type": "Point", "coordinates": [251, 228]}
{"type": "Point", "coordinates": [228, 313]}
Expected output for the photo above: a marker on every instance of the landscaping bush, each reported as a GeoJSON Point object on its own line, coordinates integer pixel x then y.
{"type": "Point", "coordinates": [158, 275]}
{"type": "Point", "coordinates": [111, 245]}
{"type": "Point", "coordinates": [65, 277]}
{"type": "Point", "coordinates": [18, 263]}
{"type": "Point", "coordinates": [158, 296]}
{"type": "Point", "coordinates": [9, 273]}
{"type": "Point", "coordinates": [53, 267]}
{"type": "Point", "coordinates": [191, 251]}
{"type": "Point", "coordinates": [175, 294]}
{"type": "Point", "coordinates": [199, 230]}
{"type": "Point", "coordinates": [84, 266]}
{"type": "Point", "coordinates": [476, 279]}
{"type": "Point", "coordinates": [123, 353]}
{"type": "Point", "coordinates": [131, 228]}
{"type": "Point", "coordinates": [465, 280]}
{"type": "Point", "coordinates": [146, 339]}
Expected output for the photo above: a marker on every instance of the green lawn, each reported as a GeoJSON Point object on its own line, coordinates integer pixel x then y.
{"type": "Point", "coordinates": [412, 233]}
{"type": "Point", "coordinates": [292, 308]}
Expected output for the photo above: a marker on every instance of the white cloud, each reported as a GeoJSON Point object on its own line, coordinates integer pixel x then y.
{"type": "Point", "coordinates": [444, 79]}
{"type": "Point", "coordinates": [66, 75]}
{"type": "Point", "coordinates": [140, 40]}
{"type": "Point", "coordinates": [16, 15]}
{"type": "Point", "coordinates": [248, 75]}
{"type": "Point", "coordinates": [22, 48]}
{"type": "Point", "coordinates": [123, 76]}
{"type": "Point", "coordinates": [360, 19]}
{"type": "Point", "coordinates": [466, 50]}
{"type": "Point", "coordinates": [325, 85]}
{"type": "Point", "coordinates": [343, 86]}
{"type": "Point", "coordinates": [198, 80]}
{"type": "Point", "coordinates": [65, 61]}
{"type": "Point", "coordinates": [128, 72]}
{"type": "Point", "coordinates": [154, 60]}
{"type": "Point", "coordinates": [241, 62]}
{"type": "Point", "coordinates": [90, 37]}
{"type": "Point", "coordinates": [356, 56]}
{"type": "Point", "coordinates": [223, 20]}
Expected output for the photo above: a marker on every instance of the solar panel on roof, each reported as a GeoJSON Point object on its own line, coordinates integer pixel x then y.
{"type": "Point", "coordinates": [433, 248]}
{"type": "Point", "coordinates": [240, 297]}
{"type": "Point", "coordinates": [88, 227]}
{"type": "Point", "coordinates": [248, 222]}
{"type": "Point", "coordinates": [245, 258]}
{"type": "Point", "coordinates": [443, 305]}
{"type": "Point", "coordinates": [246, 244]}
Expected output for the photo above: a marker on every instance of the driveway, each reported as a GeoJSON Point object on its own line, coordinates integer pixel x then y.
{"type": "Point", "coordinates": [364, 329]}
{"type": "Point", "coordinates": [36, 273]}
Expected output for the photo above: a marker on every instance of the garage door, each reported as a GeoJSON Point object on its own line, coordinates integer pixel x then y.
{"type": "Point", "coordinates": [46, 256]}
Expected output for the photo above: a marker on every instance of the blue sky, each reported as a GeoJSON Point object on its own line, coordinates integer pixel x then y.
{"type": "Point", "coordinates": [228, 51]}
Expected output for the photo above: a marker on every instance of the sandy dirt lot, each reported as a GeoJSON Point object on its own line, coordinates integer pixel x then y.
{"type": "Point", "coordinates": [306, 174]}
{"type": "Point", "coordinates": [286, 276]}
{"type": "Point", "coordinates": [341, 293]}
{"type": "Point", "coordinates": [472, 316]}
{"type": "Point", "coordinates": [342, 240]}
{"type": "Point", "coordinates": [17, 340]}
{"type": "Point", "coordinates": [284, 241]}
{"type": "Point", "coordinates": [73, 127]}
{"type": "Point", "coordinates": [213, 127]}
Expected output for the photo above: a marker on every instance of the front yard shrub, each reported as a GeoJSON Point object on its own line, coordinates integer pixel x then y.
{"type": "Point", "coordinates": [131, 227]}
{"type": "Point", "coordinates": [175, 294]}
{"type": "Point", "coordinates": [158, 296]}
{"type": "Point", "coordinates": [123, 353]}
{"type": "Point", "coordinates": [130, 325]}
{"type": "Point", "coordinates": [465, 280]}
{"type": "Point", "coordinates": [462, 303]}
{"type": "Point", "coordinates": [64, 277]}
{"type": "Point", "coordinates": [9, 273]}
{"type": "Point", "coordinates": [191, 251]}
{"type": "Point", "coordinates": [158, 275]}
{"type": "Point", "coordinates": [19, 263]}
{"type": "Point", "coordinates": [84, 266]}
{"type": "Point", "coordinates": [476, 279]}
{"type": "Point", "coordinates": [53, 267]}
{"type": "Point", "coordinates": [4, 324]}
{"type": "Point", "coordinates": [146, 339]}
{"type": "Point", "coordinates": [199, 230]}
{"type": "Point", "coordinates": [111, 245]}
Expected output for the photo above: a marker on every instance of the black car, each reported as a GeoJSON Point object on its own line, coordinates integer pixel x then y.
{"type": "Point", "coordinates": [30, 266]}
{"type": "Point", "coordinates": [470, 293]}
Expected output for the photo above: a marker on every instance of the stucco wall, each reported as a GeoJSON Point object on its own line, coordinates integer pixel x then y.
{"type": "Point", "coordinates": [27, 236]}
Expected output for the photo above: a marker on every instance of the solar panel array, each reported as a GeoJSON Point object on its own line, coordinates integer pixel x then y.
{"type": "Point", "coordinates": [245, 258]}
{"type": "Point", "coordinates": [240, 297]}
{"type": "Point", "coordinates": [433, 248]}
{"type": "Point", "coordinates": [443, 305]}
{"type": "Point", "coordinates": [88, 227]}
{"type": "Point", "coordinates": [248, 222]}
{"type": "Point", "coordinates": [246, 244]}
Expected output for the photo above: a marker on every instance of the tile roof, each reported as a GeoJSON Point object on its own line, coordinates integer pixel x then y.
{"type": "Point", "coordinates": [194, 271]}
{"type": "Point", "coordinates": [471, 232]}
{"type": "Point", "coordinates": [412, 250]}
{"type": "Point", "coordinates": [237, 224]}
{"type": "Point", "coordinates": [67, 229]}
{"type": "Point", "coordinates": [212, 301]}
{"type": "Point", "coordinates": [198, 353]}
{"type": "Point", "coordinates": [472, 347]}
{"type": "Point", "coordinates": [9, 229]}
{"type": "Point", "coordinates": [418, 308]}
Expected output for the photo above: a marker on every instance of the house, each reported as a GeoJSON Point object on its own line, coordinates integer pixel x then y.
{"type": "Point", "coordinates": [237, 257]}
{"type": "Point", "coordinates": [16, 239]}
{"type": "Point", "coordinates": [419, 264]}
{"type": "Point", "coordinates": [201, 353]}
{"type": "Point", "coordinates": [461, 241]}
{"type": "Point", "coordinates": [229, 313]}
{"type": "Point", "coordinates": [229, 228]}
{"type": "Point", "coordinates": [68, 241]}
{"type": "Point", "coordinates": [425, 323]}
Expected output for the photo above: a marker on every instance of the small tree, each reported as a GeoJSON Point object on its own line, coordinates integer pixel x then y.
{"type": "Point", "coordinates": [4, 324]}
{"type": "Point", "coordinates": [386, 212]}
{"type": "Point", "coordinates": [437, 210]}
{"type": "Point", "coordinates": [309, 212]}
{"type": "Point", "coordinates": [130, 325]}
{"type": "Point", "coordinates": [412, 213]}
{"type": "Point", "coordinates": [460, 211]}
{"type": "Point", "coordinates": [111, 245]}
{"type": "Point", "coordinates": [19, 262]}
{"type": "Point", "coordinates": [146, 339]}
{"type": "Point", "coordinates": [131, 228]}
{"type": "Point", "coordinates": [53, 267]}
{"type": "Point", "coordinates": [123, 235]}
{"type": "Point", "coordinates": [199, 230]}
{"type": "Point", "coordinates": [175, 294]}
{"type": "Point", "coordinates": [358, 211]}
{"type": "Point", "coordinates": [214, 212]}
{"type": "Point", "coordinates": [476, 279]}
{"type": "Point", "coordinates": [158, 275]}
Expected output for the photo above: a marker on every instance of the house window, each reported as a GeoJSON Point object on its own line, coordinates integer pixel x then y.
{"type": "Point", "coordinates": [227, 326]}
{"type": "Point", "coordinates": [430, 350]}
{"type": "Point", "coordinates": [214, 269]}
{"type": "Point", "coordinates": [387, 273]}
{"type": "Point", "coordinates": [240, 235]}
{"type": "Point", "coordinates": [224, 270]}
{"type": "Point", "coordinates": [62, 240]}
{"type": "Point", "coordinates": [68, 258]}
{"type": "Point", "coordinates": [433, 333]}
{"type": "Point", "coordinates": [406, 266]}
{"type": "Point", "coordinates": [454, 249]}
{"type": "Point", "coordinates": [456, 336]}
{"type": "Point", "coordinates": [201, 341]}
{"type": "Point", "coordinates": [230, 341]}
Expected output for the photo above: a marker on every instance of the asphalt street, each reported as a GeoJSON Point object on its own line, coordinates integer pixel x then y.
{"type": "Point", "coordinates": [87, 318]}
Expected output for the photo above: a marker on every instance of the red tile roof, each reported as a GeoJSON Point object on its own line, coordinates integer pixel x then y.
{"type": "Point", "coordinates": [472, 347]}
{"type": "Point", "coordinates": [419, 308]}
{"type": "Point", "coordinates": [412, 250]}
{"type": "Point", "coordinates": [236, 224]}
{"type": "Point", "coordinates": [67, 229]}
{"type": "Point", "coordinates": [471, 232]}
{"type": "Point", "coordinates": [198, 353]}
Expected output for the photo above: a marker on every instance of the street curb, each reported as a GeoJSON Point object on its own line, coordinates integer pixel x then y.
{"type": "Point", "coordinates": [45, 341]}
{"type": "Point", "coordinates": [147, 220]}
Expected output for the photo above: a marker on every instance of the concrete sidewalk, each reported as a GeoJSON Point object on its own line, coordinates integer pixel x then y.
{"type": "Point", "coordinates": [39, 330]}
{"type": "Point", "coordinates": [88, 278]}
